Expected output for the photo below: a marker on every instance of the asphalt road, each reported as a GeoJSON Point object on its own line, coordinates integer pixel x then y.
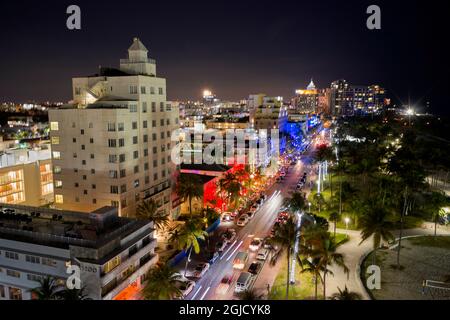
{"type": "Point", "coordinates": [259, 227]}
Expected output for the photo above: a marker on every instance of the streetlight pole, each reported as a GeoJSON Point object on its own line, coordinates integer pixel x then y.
{"type": "Point", "coordinates": [347, 220]}
{"type": "Point", "coordinates": [309, 209]}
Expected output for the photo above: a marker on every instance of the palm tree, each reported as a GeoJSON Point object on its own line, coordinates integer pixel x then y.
{"type": "Point", "coordinates": [73, 294]}
{"type": "Point", "coordinates": [285, 236]}
{"type": "Point", "coordinates": [313, 267]}
{"type": "Point", "coordinates": [374, 223]}
{"type": "Point", "coordinates": [47, 289]}
{"type": "Point", "coordinates": [189, 187]}
{"type": "Point", "coordinates": [161, 283]}
{"type": "Point", "coordinates": [327, 255]}
{"type": "Point", "coordinates": [345, 295]}
{"type": "Point", "coordinates": [250, 295]}
{"type": "Point", "coordinates": [335, 217]}
{"type": "Point", "coordinates": [319, 200]}
{"type": "Point", "coordinates": [189, 237]}
{"type": "Point", "coordinates": [297, 202]}
{"type": "Point", "coordinates": [149, 210]}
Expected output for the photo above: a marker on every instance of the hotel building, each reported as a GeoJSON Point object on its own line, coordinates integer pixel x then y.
{"type": "Point", "coordinates": [111, 146]}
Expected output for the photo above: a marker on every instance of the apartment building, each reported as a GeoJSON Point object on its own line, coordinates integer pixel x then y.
{"type": "Point", "coordinates": [26, 175]}
{"type": "Point", "coordinates": [113, 253]}
{"type": "Point", "coordinates": [111, 145]}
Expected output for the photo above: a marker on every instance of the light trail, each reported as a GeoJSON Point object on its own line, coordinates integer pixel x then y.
{"type": "Point", "coordinates": [234, 251]}
{"type": "Point", "coordinates": [195, 294]}
{"type": "Point", "coordinates": [229, 248]}
{"type": "Point", "coordinates": [204, 294]}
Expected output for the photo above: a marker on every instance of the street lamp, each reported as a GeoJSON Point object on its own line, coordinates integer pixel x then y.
{"type": "Point", "coordinates": [309, 205]}
{"type": "Point", "coordinates": [347, 220]}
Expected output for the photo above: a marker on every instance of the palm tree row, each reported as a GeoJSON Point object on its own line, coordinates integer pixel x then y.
{"type": "Point", "coordinates": [49, 289]}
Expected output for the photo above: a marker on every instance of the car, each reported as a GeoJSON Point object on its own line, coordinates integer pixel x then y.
{"type": "Point", "coordinates": [200, 269]}
{"type": "Point", "coordinates": [224, 285]}
{"type": "Point", "coordinates": [250, 214]}
{"type": "Point", "coordinates": [220, 246]}
{"type": "Point", "coordinates": [228, 235]}
{"type": "Point", "coordinates": [254, 207]}
{"type": "Point", "coordinates": [185, 287]}
{"type": "Point", "coordinates": [255, 244]}
{"type": "Point", "coordinates": [226, 217]}
{"type": "Point", "coordinates": [234, 213]}
{"type": "Point", "coordinates": [212, 256]}
{"type": "Point", "coordinates": [243, 220]}
{"type": "Point", "coordinates": [240, 260]}
{"type": "Point", "coordinates": [262, 254]}
{"type": "Point", "coordinates": [255, 267]}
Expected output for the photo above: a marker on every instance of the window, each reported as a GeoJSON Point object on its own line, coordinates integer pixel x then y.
{"type": "Point", "coordinates": [94, 186]}
{"type": "Point", "coordinates": [92, 171]}
{"type": "Point", "coordinates": [147, 179]}
{"type": "Point", "coordinates": [114, 189]}
{"type": "Point", "coordinates": [154, 137]}
{"type": "Point", "coordinates": [135, 154]}
{"type": "Point", "coordinates": [94, 201]}
{"type": "Point", "coordinates": [123, 173]}
{"type": "Point", "coordinates": [142, 90]}
{"type": "Point", "coordinates": [122, 158]}
{"type": "Point", "coordinates": [58, 184]}
{"type": "Point", "coordinates": [91, 125]}
{"type": "Point", "coordinates": [54, 126]}
{"type": "Point", "coordinates": [160, 90]}
{"type": "Point", "coordinates": [77, 90]}
{"type": "Point", "coordinates": [76, 184]}
{"type": "Point", "coordinates": [2, 291]}
{"type": "Point", "coordinates": [152, 90]}
{"type": "Point", "coordinates": [82, 131]}
{"type": "Point", "coordinates": [91, 140]}
{"type": "Point", "coordinates": [120, 126]}
{"type": "Point", "coordinates": [112, 158]}
{"type": "Point", "coordinates": [176, 120]}
{"type": "Point", "coordinates": [83, 147]}
{"type": "Point", "coordinates": [161, 106]}
{"type": "Point", "coordinates": [13, 273]}
{"type": "Point", "coordinates": [162, 135]}
{"type": "Point", "coordinates": [163, 173]}
{"type": "Point", "coordinates": [123, 203]}
{"type": "Point", "coordinates": [84, 177]}
{"type": "Point", "coordinates": [163, 161]}
{"type": "Point", "coordinates": [136, 183]}
{"type": "Point", "coordinates": [56, 155]}
{"type": "Point", "coordinates": [145, 152]}
{"type": "Point", "coordinates": [49, 262]}
{"type": "Point", "coordinates": [32, 259]}
{"type": "Point", "coordinates": [121, 142]}
{"type": "Point", "coordinates": [168, 122]}
{"type": "Point", "coordinates": [154, 123]}
{"type": "Point", "coordinates": [111, 126]}
{"type": "Point", "coordinates": [155, 163]}
{"type": "Point", "coordinates": [144, 107]}
{"type": "Point", "coordinates": [113, 174]}
{"type": "Point", "coordinates": [146, 166]}
{"type": "Point", "coordinates": [11, 255]}
{"type": "Point", "coordinates": [92, 156]}
{"type": "Point", "coordinates": [85, 191]}
{"type": "Point", "coordinates": [155, 150]}
{"type": "Point", "coordinates": [56, 169]}
{"type": "Point", "coordinates": [145, 138]}
{"type": "Point", "coordinates": [114, 203]}
{"type": "Point", "coordinates": [155, 176]}
{"type": "Point", "coordinates": [112, 143]}
{"type": "Point", "coordinates": [161, 122]}
{"type": "Point", "coordinates": [153, 106]}
{"type": "Point", "coordinates": [144, 124]}
{"type": "Point", "coordinates": [136, 169]}
{"type": "Point", "coordinates": [133, 90]}
{"type": "Point", "coordinates": [55, 140]}
{"type": "Point", "coordinates": [168, 107]}
{"type": "Point", "coordinates": [135, 140]}
{"type": "Point", "coordinates": [15, 293]}
{"type": "Point", "coordinates": [134, 125]}
{"type": "Point", "coordinates": [133, 107]}
{"type": "Point", "coordinates": [74, 140]}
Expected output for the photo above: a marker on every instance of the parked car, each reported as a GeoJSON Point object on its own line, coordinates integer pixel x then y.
{"type": "Point", "coordinates": [262, 254]}
{"type": "Point", "coordinates": [251, 214]}
{"type": "Point", "coordinates": [200, 270]}
{"type": "Point", "coordinates": [185, 287]}
{"type": "Point", "coordinates": [228, 235]}
{"type": "Point", "coordinates": [243, 220]}
{"type": "Point", "coordinates": [234, 213]}
{"type": "Point", "coordinates": [243, 282]}
{"type": "Point", "coordinates": [220, 246]}
{"type": "Point", "coordinates": [255, 244]}
{"type": "Point", "coordinates": [224, 285]}
{"type": "Point", "coordinates": [255, 267]}
{"type": "Point", "coordinates": [226, 217]}
{"type": "Point", "coordinates": [212, 256]}
{"type": "Point", "coordinates": [254, 207]}
{"type": "Point", "coordinates": [240, 260]}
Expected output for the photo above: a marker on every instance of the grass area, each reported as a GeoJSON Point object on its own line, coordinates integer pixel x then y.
{"type": "Point", "coordinates": [303, 289]}
{"type": "Point", "coordinates": [431, 241]}
{"type": "Point", "coordinates": [341, 238]}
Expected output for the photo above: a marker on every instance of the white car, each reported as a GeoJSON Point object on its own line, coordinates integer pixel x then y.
{"type": "Point", "coordinates": [226, 217]}
{"type": "Point", "coordinates": [255, 244]}
{"type": "Point", "coordinates": [185, 287]}
{"type": "Point", "coordinates": [251, 214]}
{"type": "Point", "coordinates": [262, 254]}
{"type": "Point", "coordinates": [243, 220]}
{"type": "Point", "coordinates": [200, 270]}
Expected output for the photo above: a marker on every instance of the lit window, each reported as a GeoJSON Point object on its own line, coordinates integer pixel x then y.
{"type": "Point", "coordinates": [59, 198]}
{"type": "Point", "coordinates": [56, 155]}
{"type": "Point", "coordinates": [54, 126]}
{"type": "Point", "coordinates": [55, 140]}
{"type": "Point", "coordinates": [58, 183]}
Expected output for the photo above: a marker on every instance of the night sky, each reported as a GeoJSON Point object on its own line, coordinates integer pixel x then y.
{"type": "Point", "coordinates": [231, 47]}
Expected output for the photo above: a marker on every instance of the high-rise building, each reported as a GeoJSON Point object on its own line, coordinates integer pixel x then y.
{"type": "Point", "coordinates": [111, 146]}
{"type": "Point", "coordinates": [306, 100]}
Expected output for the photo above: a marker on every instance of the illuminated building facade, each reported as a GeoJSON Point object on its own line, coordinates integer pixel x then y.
{"type": "Point", "coordinates": [306, 100]}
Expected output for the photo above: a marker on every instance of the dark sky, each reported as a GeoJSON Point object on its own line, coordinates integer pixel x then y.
{"type": "Point", "coordinates": [232, 47]}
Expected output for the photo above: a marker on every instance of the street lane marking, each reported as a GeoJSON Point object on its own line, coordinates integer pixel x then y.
{"type": "Point", "coordinates": [204, 294]}
{"type": "Point", "coordinates": [195, 294]}
{"type": "Point", "coordinates": [226, 251]}
{"type": "Point", "coordinates": [234, 251]}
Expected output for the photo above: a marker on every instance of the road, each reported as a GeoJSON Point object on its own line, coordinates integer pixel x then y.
{"type": "Point", "coordinates": [258, 227]}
